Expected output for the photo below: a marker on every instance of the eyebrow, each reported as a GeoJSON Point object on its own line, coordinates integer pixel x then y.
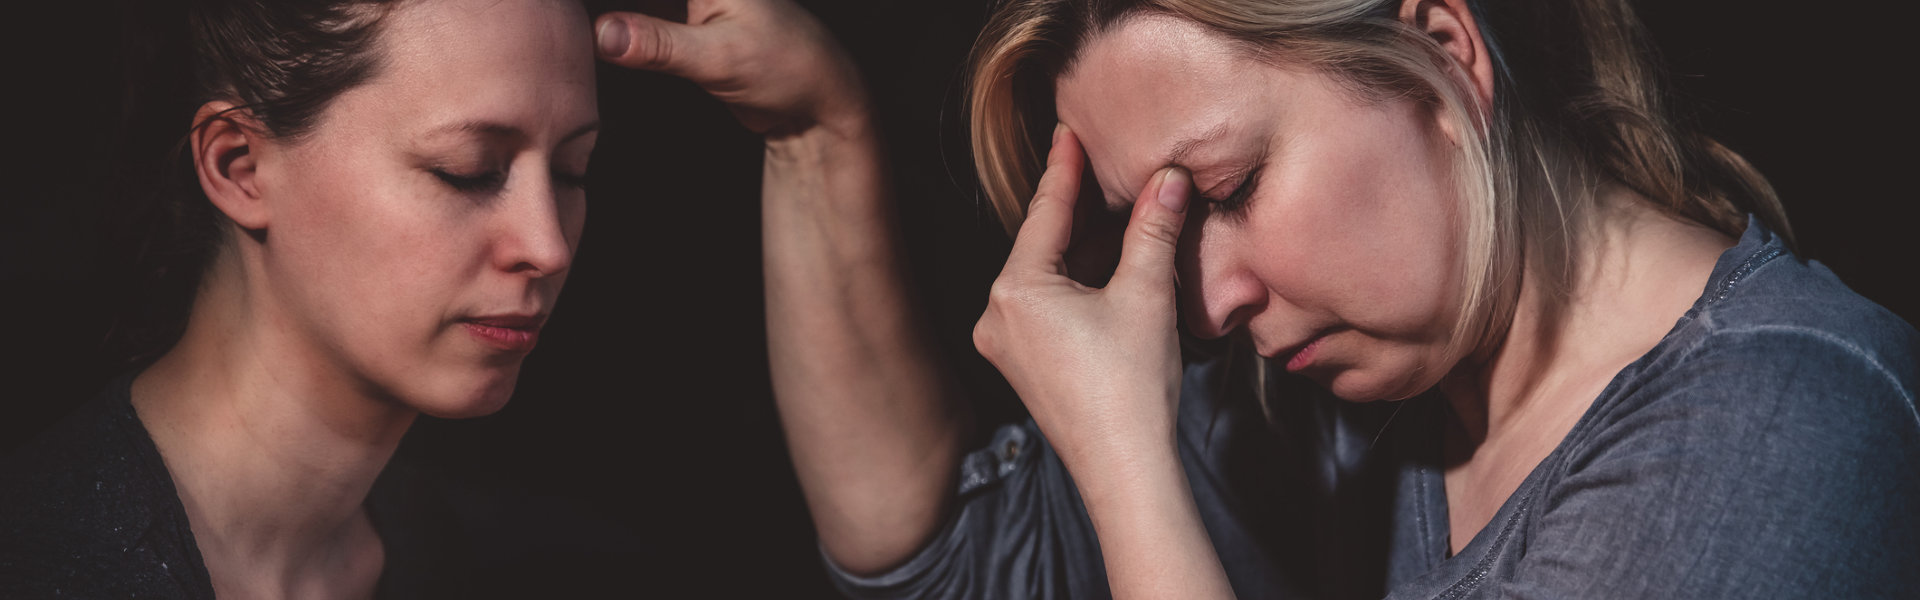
{"type": "Point", "coordinates": [501, 130]}
{"type": "Point", "coordinates": [1182, 148]}
{"type": "Point", "coordinates": [1176, 154]}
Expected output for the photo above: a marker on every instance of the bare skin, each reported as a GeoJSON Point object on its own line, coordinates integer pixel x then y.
{"type": "Point", "coordinates": [873, 423]}
{"type": "Point", "coordinates": [272, 480]}
{"type": "Point", "coordinates": [348, 295]}
{"type": "Point", "coordinates": [1338, 243]}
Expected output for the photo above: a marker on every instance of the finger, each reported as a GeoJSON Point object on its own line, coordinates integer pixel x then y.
{"type": "Point", "coordinates": [1153, 232]}
{"type": "Point", "coordinates": [1044, 235]}
{"type": "Point", "coordinates": [639, 41]}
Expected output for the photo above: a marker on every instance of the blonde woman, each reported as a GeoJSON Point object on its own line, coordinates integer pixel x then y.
{"type": "Point", "coordinates": [1574, 352]}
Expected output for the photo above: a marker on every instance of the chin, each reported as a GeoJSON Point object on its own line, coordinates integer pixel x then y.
{"type": "Point", "coordinates": [1366, 385]}
{"type": "Point", "coordinates": [469, 396]}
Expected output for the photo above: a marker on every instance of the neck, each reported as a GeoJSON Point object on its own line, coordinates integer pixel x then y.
{"type": "Point", "coordinates": [271, 446]}
{"type": "Point", "coordinates": [1635, 273]}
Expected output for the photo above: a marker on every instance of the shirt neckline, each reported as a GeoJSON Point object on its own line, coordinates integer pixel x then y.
{"type": "Point", "coordinates": [1756, 247]}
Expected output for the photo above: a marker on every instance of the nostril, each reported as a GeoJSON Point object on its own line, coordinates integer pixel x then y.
{"type": "Point", "coordinates": [1202, 324]}
{"type": "Point", "coordinates": [1208, 327]}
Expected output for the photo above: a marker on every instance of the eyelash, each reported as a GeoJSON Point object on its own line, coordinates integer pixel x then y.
{"type": "Point", "coordinates": [489, 180]}
{"type": "Point", "coordinates": [1237, 200]}
{"type": "Point", "coordinates": [492, 180]}
{"type": "Point", "coordinates": [578, 182]}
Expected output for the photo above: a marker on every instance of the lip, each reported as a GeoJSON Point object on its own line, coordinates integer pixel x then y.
{"type": "Point", "coordinates": [511, 332]}
{"type": "Point", "coordinates": [1304, 357]}
{"type": "Point", "coordinates": [1298, 355]}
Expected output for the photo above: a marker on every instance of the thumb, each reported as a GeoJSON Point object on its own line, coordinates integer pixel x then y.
{"type": "Point", "coordinates": [639, 41]}
{"type": "Point", "coordinates": [1153, 232]}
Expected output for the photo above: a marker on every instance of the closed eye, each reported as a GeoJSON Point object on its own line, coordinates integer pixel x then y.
{"type": "Point", "coordinates": [572, 180]}
{"type": "Point", "coordinates": [1235, 203]}
{"type": "Point", "coordinates": [489, 180]}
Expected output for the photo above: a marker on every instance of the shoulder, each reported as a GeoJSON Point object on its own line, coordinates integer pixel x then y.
{"type": "Point", "coordinates": [1775, 421]}
{"type": "Point", "coordinates": [1776, 349]}
{"type": "Point", "coordinates": [82, 510]}
{"type": "Point", "coordinates": [1772, 324]}
{"type": "Point", "coordinates": [72, 478]}
{"type": "Point", "coordinates": [1831, 380]}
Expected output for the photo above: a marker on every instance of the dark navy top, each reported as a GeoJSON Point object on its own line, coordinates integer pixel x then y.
{"type": "Point", "coordinates": [89, 510]}
{"type": "Point", "coordinates": [1767, 447]}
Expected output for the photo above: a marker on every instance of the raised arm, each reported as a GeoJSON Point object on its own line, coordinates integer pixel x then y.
{"type": "Point", "coordinates": [873, 425]}
{"type": "Point", "coordinates": [1099, 369]}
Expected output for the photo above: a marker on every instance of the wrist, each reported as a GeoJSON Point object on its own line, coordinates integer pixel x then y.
{"type": "Point", "coordinates": [1135, 449]}
{"type": "Point", "coordinates": [1122, 480]}
{"type": "Point", "coordinates": [825, 138]}
{"type": "Point", "coordinates": [1150, 505]}
{"type": "Point", "coordinates": [838, 110]}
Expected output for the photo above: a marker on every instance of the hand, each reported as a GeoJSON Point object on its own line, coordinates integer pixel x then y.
{"type": "Point", "coordinates": [1099, 369]}
{"type": "Point", "coordinates": [770, 61]}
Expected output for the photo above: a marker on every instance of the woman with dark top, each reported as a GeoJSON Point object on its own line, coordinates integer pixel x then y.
{"type": "Point", "coordinates": [392, 195]}
{"type": "Point", "coordinates": [1573, 352]}
{"type": "Point", "coordinates": [392, 216]}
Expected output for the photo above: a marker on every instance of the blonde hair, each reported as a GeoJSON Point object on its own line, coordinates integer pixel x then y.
{"type": "Point", "coordinates": [1577, 103]}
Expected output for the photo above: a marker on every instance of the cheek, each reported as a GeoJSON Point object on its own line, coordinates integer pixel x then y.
{"type": "Point", "coordinates": [1372, 238]}
{"type": "Point", "coordinates": [573, 218]}
{"type": "Point", "coordinates": [369, 259]}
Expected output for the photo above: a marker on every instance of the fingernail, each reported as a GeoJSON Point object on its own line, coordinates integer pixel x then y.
{"type": "Point", "coordinates": [1058, 128]}
{"type": "Point", "coordinates": [1173, 190]}
{"type": "Point", "coordinates": [612, 37]}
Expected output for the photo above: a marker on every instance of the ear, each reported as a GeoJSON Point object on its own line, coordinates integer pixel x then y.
{"type": "Point", "coordinates": [1451, 24]}
{"type": "Point", "coordinates": [225, 156]}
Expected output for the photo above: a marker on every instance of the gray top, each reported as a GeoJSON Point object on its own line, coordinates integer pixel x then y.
{"type": "Point", "coordinates": [1769, 446]}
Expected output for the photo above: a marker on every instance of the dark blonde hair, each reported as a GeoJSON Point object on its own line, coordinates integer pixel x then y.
{"type": "Point", "coordinates": [1578, 103]}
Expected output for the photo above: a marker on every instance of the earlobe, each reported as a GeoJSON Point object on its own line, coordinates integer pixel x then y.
{"type": "Point", "coordinates": [225, 157]}
{"type": "Point", "coordinates": [1451, 24]}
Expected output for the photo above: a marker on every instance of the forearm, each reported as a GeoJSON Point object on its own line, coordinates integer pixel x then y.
{"type": "Point", "coordinates": [1150, 531]}
{"type": "Point", "coordinates": [873, 426]}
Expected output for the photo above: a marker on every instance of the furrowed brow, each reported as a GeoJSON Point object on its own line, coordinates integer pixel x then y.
{"type": "Point", "coordinates": [1176, 154]}
{"type": "Point", "coordinates": [1182, 148]}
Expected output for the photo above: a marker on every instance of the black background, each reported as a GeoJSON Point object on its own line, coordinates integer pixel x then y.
{"type": "Point", "coordinates": [641, 451]}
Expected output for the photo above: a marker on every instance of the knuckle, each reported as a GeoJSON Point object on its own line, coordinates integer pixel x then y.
{"type": "Point", "coordinates": [983, 335]}
{"type": "Point", "coordinates": [1043, 202]}
{"type": "Point", "coordinates": [1033, 206]}
{"type": "Point", "coordinates": [1159, 231]}
{"type": "Point", "coordinates": [1054, 177]}
{"type": "Point", "coordinates": [659, 47]}
{"type": "Point", "coordinates": [1147, 297]}
{"type": "Point", "coordinates": [1003, 293]}
{"type": "Point", "coordinates": [1054, 158]}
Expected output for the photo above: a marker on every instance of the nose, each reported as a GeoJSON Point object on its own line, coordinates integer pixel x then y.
{"type": "Point", "coordinates": [1216, 295]}
{"type": "Point", "coordinates": [540, 226]}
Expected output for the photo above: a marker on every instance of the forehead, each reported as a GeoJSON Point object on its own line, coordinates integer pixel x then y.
{"type": "Point", "coordinates": [528, 63]}
{"type": "Point", "coordinates": [1151, 87]}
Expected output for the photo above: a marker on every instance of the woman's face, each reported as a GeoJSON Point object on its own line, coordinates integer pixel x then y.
{"type": "Point", "coordinates": [420, 233]}
{"type": "Point", "coordinates": [1324, 226]}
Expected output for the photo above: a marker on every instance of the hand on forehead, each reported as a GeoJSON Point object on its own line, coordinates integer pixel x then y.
{"type": "Point", "coordinates": [1158, 91]}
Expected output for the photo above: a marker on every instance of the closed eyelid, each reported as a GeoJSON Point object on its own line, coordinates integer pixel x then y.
{"type": "Point", "coordinates": [1240, 175]}
{"type": "Point", "coordinates": [1123, 203]}
{"type": "Point", "coordinates": [1222, 182]}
